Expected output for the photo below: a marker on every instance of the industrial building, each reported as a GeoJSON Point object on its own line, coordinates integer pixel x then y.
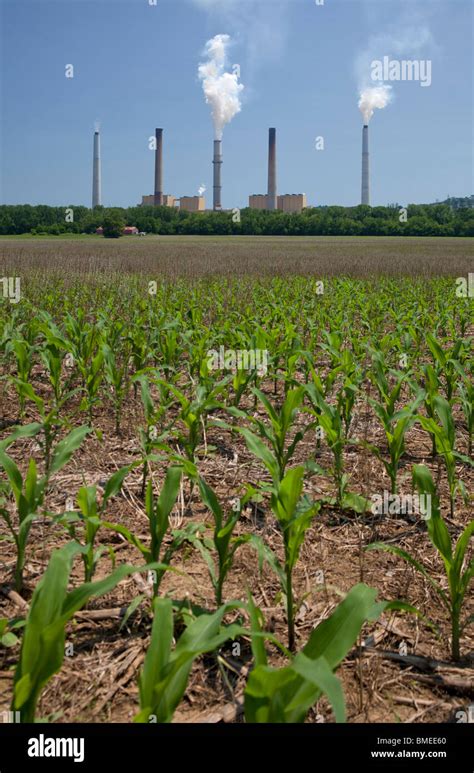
{"type": "Point", "coordinates": [292, 202]}
{"type": "Point", "coordinates": [289, 202]}
{"type": "Point", "coordinates": [192, 203]}
{"type": "Point", "coordinates": [258, 201]}
{"type": "Point", "coordinates": [149, 201]}
{"type": "Point", "coordinates": [186, 203]}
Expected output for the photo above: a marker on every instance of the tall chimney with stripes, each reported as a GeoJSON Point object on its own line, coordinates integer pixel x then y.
{"type": "Point", "coordinates": [217, 161]}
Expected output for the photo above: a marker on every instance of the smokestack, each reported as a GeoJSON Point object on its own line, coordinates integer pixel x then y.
{"type": "Point", "coordinates": [365, 197]}
{"type": "Point", "coordinates": [158, 200]}
{"type": "Point", "coordinates": [272, 173]}
{"type": "Point", "coordinates": [217, 174]}
{"type": "Point", "coordinates": [96, 182]}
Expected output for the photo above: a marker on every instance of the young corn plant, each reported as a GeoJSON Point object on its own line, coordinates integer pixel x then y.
{"type": "Point", "coordinates": [117, 376]}
{"type": "Point", "coordinates": [158, 511]}
{"type": "Point", "coordinates": [276, 433]}
{"type": "Point", "coordinates": [396, 424]}
{"type": "Point", "coordinates": [294, 513]}
{"type": "Point", "coordinates": [51, 423]}
{"type": "Point", "coordinates": [285, 695]}
{"type": "Point", "coordinates": [52, 357]}
{"type": "Point", "coordinates": [91, 518]}
{"type": "Point", "coordinates": [193, 415]}
{"type": "Point", "coordinates": [444, 435]}
{"type": "Point", "coordinates": [225, 544]}
{"type": "Point", "coordinates": [24, 353]}
{"type": "Point", "coordinates": [29, 495]}
{"type": "Point", "coordinates": [164, 677]}
{"type": "Point", "coordinates": [92, 376]}
{"type": "Point", "coordinates": [155, 432]}
{"type": "Point", "coordinates": [51, 608]}
{"type": "Point", "coordinates": [329, 419]}
{"type": "Point", "coordinates": [352, 377]}
{"type": "Point", "coordinates": [447, 363]}
{"type": "Point", "coordinates": [431, 386]}
{"type": "Point", "coordinates": [459, 570]}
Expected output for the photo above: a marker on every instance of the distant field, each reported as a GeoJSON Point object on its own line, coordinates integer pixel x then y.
{"type": "Point", "coordinates": [189, 256]}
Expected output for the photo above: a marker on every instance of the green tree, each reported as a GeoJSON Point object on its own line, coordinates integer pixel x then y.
{"type": "Point", "coordinates": [113, 226]}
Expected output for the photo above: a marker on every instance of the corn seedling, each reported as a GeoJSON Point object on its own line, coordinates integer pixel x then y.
{"type": "Point", "coordinates": [444, 435]}
{"type": "Point", "coordinates": [91, 518]}
{"type": "Point", "coordinates": [286, 694]}
{"type": "Point", "coordinates": [166, 670]}
{"type": "Point", "coordinates": [29, 494]}
{"type": "Point", "coordinates": [158, 510]}
{"type": "Point", "coordinates": [51, 608]}
{"type": "Point", "coordinates": [458, 574]}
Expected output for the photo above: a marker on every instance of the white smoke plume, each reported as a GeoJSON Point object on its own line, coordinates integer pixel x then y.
{"type": "Point", "coordinates": [374, 97]}
{"type": "Point", "coordinates": [408, 35]}
{"type": "Point", "coordinates": [260, 27]}
{"type": "Point", "coordinates": [97, 125]}
{"type": "Point", "coordinates": [221, 89]}
{"type": "Point", "coordinates": [201, 190]}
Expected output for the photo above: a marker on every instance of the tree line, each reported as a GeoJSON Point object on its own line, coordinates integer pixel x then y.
{"type": "Point", "coordinates": [440, 219]}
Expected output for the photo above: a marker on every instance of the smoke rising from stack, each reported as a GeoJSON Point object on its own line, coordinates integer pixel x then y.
{"type": "Point", "coordinates": [371, 98]}
{"type": "Point", "coordinates": [222, 91]}
{"type": "Point", "coordinates": [272, 172]}
{"type": "Point", "coordinates": [96, 172]}
{"type": "Point", "coordinates": [158, 190]}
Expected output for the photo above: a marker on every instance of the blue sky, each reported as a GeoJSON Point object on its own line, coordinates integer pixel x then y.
{"type": "Point", "coordinates": [135, 68]}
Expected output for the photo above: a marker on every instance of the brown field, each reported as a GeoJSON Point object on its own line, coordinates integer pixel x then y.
{"type": "Point", "coordinates": [190, 256]}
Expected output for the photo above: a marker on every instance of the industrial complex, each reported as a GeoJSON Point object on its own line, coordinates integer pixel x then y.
{"type": "Point", "coordinates": [289, 202]}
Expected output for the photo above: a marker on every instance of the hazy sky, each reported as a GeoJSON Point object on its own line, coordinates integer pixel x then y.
{"type": "Point", "coordinates": [135, 68]}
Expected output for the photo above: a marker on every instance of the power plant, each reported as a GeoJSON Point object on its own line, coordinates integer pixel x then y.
{"type": "Point", "coordinates": [365, 194]}
{"type": "Point", "coordinates": [271, 201]}
{"type": "Point", "coordinates": [96, 181]}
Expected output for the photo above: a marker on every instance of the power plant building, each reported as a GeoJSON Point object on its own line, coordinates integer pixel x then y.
{"type": "Point", "coordinates": [289, 202]}
{"type": "Point", "coordinates": [292, 202]}
{"type": "Point", "coordinates": [192, 203]}
{"type": "Point", "coordinates": [149, 201]}
{"type": "Point", "coordinates": [258, 201]}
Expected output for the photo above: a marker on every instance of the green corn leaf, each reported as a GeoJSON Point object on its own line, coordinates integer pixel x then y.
{"type": "Point", "coordinates": [114, 484]}
{"type": "Point", "coordinates": [286, 694]}
{"type": "Point", "coordinates": [66, 447]}
{"type": "Point", "coordinates": [28, 430]}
